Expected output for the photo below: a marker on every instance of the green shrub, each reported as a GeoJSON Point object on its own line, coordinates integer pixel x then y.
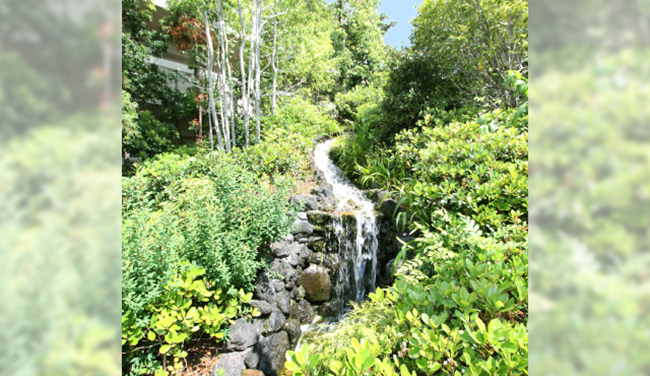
{"type": "Point", "coordinates": [187, 304]}
{"type": "Point", "coordinates": [416, 84]}
{"type": "Point", "coordinates": [460, 303]}
{"type": "Point", "coordinates": [299, 116]}
{"type": "Point", "coordinates": [347, 104]}
{"type": "Point", "coordinates": [152, 136]}
{"type": "Point", "coordinates": [207, 211]}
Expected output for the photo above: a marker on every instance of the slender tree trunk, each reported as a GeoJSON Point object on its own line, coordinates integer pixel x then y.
{"type": "Point", "coordinates": [222, 79]}
{"type": "Point", "coordinates": [210, 127]}
{"type": "Point", "coordinates": [213, 110]}
{"type": "Point", "coordinates": [229, 86]}
{"type": "Point", "coordinates": [273, 63]}
{"type": "Point", "coordinates": [251, 61]}
{"type": "Point", "coordinates": [244, 93]}
{"type": "Point", "coordinates": [257, 69]}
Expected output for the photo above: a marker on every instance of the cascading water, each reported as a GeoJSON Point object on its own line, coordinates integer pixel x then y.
{"type": "Point", "coordinates": [356, 230]}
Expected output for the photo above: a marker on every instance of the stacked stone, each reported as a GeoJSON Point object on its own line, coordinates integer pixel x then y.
{"type": "Point", "coordinates": [300, 281]}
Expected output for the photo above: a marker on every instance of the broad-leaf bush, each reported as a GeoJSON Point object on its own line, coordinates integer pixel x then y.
{"type": "Point", "coordinates": [208, 211]}
{"type": "Point", "coordinates": [460, 303]}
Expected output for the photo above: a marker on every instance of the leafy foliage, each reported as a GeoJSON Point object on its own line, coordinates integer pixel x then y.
{"type": "Point", "coordinates": [150, 136]}
{"type": "Point", "coordinates": [460, 303]}
{"type": "Point", "coordinates": [417, 82]}
{"type": "Point", "coordinates": [475, 44]}
{"type": "Point", "coordinates": [188, 304]}
{"type": "Point", "coordinates": [358, 44]}
{"type": "Point", "coordinates": [204, 210]}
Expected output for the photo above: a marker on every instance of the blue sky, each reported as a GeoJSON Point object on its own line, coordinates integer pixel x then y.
{"type": "Point", "coordinates": [401, 11]}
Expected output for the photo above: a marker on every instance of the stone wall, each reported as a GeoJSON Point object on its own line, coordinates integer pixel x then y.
{"type": "Point", "coordinates": [300, 282]}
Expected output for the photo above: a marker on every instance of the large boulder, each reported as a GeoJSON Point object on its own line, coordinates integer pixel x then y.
{"type": "Point", "coordinates": [244, 335]}
{"type": "Point", "coordinates": [272, 350]}
{"type": "Point", "coordinates": [231, 364]}
{"type": "Point", "coordinates": [317, 283]}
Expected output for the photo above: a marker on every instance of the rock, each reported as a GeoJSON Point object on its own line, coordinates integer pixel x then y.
{"type": "Point", "coordinates": [278, 285]}
{"type": "Point", "coordinates": [327, 204]}
{"type": "Point", "coordinates": [388, 207]}
{"type": "Point", "coordinates": [232, 364]}
{"type": "Point", "coordinates": [283, 301]}
{"type": "Point", "coordinates": [276, 321]}
{"type": "Point", "coordinates": [243, 335]}
{"type": "Point", "coordinates": [292, 327]}
{"type": "Point", "coordinates": [272, 352]}
{"type": "Point", "coordinates": [317, 283]}
{"type": "Point", "coordinates": [318, 218]}
{"type": "Point", "coordinates": [329, 261]}
{"type": "Point", "coordinates": [381, 195]}
{"type": "Point", "coordinates": [300, 293]}
{"type": "Point", "coordinates": [293, 253]}
{"type": "Point", "coordinates": [263, 288]}
{"type": "Point", "coordinates": [302, 216]}
{"type": "Point", "coordinates": [252, 372]}
{"type": "Point", "coordinates": [295, 310]}
{"type": "Point", "coordinates": [285, 270]}
{"type": "Point", "coordinates": [288, 238]}
{"type": "Point", "coordinates": [305, 312]}
{"type": "Point", "coordinates": [302, 227]}
{"type": "Point", "coordinates": [305, 202]}
{"type": "Point", "coordinates": [317, 243]}
{"type": "Point", "coordinates": [264, 307]}
{"type": "Point", "coordinates": [252, 359]}
{"type": "Point", "coordinates": [323, 191]}
{"type": "Point", "coordinates": [331, 309]}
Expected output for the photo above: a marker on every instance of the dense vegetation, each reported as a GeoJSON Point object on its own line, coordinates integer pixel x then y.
{"type": "Point", "coordinates": [456, 157]}
{"type": "Point", "coordinates": [441, 126]}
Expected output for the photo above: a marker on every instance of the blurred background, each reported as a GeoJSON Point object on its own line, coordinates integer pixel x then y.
{"type": "Point", "coordinates": [60, 173]}
{"type": "Point", "coordinates": [589, 187]}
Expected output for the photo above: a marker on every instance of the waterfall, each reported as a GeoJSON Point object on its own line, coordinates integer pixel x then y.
{"type": "Point", "coordinates": [356, 230]}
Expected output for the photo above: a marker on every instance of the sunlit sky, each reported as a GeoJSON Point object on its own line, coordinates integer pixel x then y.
{"type": "Point", "coordinates": [401, 11]}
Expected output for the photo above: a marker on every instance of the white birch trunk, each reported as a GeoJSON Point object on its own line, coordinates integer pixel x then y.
{"type": "Point", "coordinates": [251, 61]}
{"type": "Point", "coordinates": [244, 93]}
{"type": "Point", "coordinates": [213, 110]}
{"type": "Point", "coordinates": [222, 79]}
{"type": "Point", "coordinates": [258, 70]}
{"type": "Point", "coordinates": [273, 63]}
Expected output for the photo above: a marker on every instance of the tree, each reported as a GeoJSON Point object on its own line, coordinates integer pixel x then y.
{"type": "Point", "coordinates": [476, 43]}
{"type": "Point", "coordinates": [358, 42]}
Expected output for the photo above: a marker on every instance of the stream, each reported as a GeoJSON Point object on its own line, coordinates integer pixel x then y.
{"type": "Point", "coordinates": [357, 239]}
{"type": "Point", "coordinates": [355, 230]}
